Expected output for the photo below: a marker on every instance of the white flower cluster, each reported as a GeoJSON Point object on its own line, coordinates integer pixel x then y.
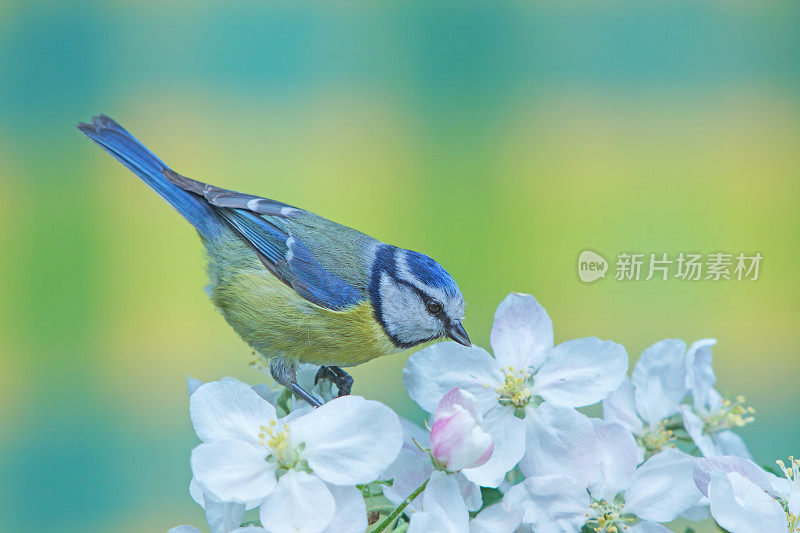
{"type": "Point", "coordinates": [506, 451]}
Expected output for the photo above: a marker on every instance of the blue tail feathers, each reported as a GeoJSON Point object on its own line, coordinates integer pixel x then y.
{"type": "Point", "coordinates": [131, 153]}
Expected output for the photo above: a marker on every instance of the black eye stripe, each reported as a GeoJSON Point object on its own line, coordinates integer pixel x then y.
{"type": "Point", "coordinates": [427, 300]}
{"type": "Point", "coordinates": [433, 307]}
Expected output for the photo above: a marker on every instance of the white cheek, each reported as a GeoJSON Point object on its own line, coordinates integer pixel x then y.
{"type": "Point", "coordinates": [404, 313]}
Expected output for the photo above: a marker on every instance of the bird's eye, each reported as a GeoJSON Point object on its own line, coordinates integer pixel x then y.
{"type": "Point", "coordinates": [433, 307]}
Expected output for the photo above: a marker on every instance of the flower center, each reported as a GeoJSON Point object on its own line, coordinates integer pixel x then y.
{"type": "Point", "coordinates": [515, 390]}
{"type": "Point", "coordinates": [608, 517]}
{"type": "Point", "coordinates": [731, 414]}
{"type": "Point", "coordinates": [281, 450]}
{"type": "Point", "coordinates": [655, 438]}
{"type": "Point", "coordinates": [792, 473]}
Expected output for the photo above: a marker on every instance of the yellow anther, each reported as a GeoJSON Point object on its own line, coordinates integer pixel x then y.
{"type": "Point", "coordinates": [607, 517]}
{"type": "Point", "coordinates": [279, 445]}
{"type": "Point", "coordinates": [655, 438]}
{"type": "Point", "coordinates": [515, 389]}
{"type": "Point", "coordinates": [730, 415]}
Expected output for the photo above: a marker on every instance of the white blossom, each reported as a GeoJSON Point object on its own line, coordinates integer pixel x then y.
{"type": "Point", "coordinates": [710, 419]}
{"type": "Point", "coordinates": [745, 498]}
{"type": "Point", "coordinates": [302, 467]}
{"type": "Point", "coordinates": [526, 372]}
{"type": "Point", "coordinates": [592, 479]}
{"type": "Point", "coordinates": [646, 403]}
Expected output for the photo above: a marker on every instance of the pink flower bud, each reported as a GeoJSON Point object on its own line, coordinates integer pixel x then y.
{"type": "Point", "coordinates": [458, 439]}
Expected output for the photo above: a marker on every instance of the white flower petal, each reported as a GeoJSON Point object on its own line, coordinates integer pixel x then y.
{"type": "Point", "coordinates": [196, 492]}
{"type": "Point", "coordinates": [351, 511]}
{"type": "Point", "coordinates": [497, 518]}
{"type": "Point", "coordinates": [228, 409]}
{"type": "Point", "coordinates": [663, 487]}
{"type": "Point", "coordinates": [443, 509]}
{"type": "Point", "coordinates": [411, 467]}
{"type": "Point", "coordinates": [270, 394]}
{"type": "Point", "coordinates": [430, 373]}
{"type": "Point", "coordinates": [740, 506]}
{"type": "Point", "coordinates": [184, 529]}
{"type": "Point", "coordinates": [648, 527]}
{"type": "Point", "coordinates": [522, 333]}
{"type": "Point", "coordinates": [659, 378]}
{"type": "Point", "coordinates": [700, 377]}
{"type": "Point", "coordinates": [581, 372]}
{"type": "Point", "coordinates": [549, 499]}
{"type": "Point", "coordinates": [223, 517]}
{"type": "Point", "coordinates": [431, 522]}
{"type": "Point", "coordinates": [233, 470]}
{"type": "Point", "coordinates": [619, 407]}
{"type": "Point", "coordinates": [793, 501]}
{"type": "Point", "coordinates": [616, 455]}
{"type": "Point", "coordinates": [698, 511]}
{"type": "Point", "coordinates": [729, 443]}
{"type": "Point", "coordinates": [349, 440]}
{"type": "Point", "coordinates": [706, 467]}
{"type": "Point", "coordinates": [508, 434]}
{"type": "Point", "coordinates": [192, 385]}
{"type": "Point", "coordinates": [560, 440]}
{"type": "Point", "coordinates": [470, 492]}
{"type": "Point", "coordinates": [300, 503]}
{"type": "Point", "coordinates": [695, 426]}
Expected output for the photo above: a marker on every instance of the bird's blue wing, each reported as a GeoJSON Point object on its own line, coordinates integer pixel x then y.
{"type": "Point", "coordinates": [292, 262]}
{"type": "Point", "coordinates": [284, 255]}
{"type": "Point", "coordinates": [220, 197]}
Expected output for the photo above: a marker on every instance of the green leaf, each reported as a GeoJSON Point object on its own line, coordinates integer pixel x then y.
{"type": "Point", "coordinates": [490, 496]}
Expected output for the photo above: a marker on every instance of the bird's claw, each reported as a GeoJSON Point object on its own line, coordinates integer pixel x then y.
{"type": "Point", "coordinates": [337, 376]}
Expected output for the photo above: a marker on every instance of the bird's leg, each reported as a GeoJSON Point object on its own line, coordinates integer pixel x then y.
{"type": "Point", "coordinates": [283, 373]}
{"type": "Point", "coordinates": [337, 376]}
{"type": "Point", "coordinates": [301, 392]}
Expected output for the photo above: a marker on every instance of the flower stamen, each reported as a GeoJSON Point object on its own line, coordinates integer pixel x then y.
{"type": "Point", "coordinates": [515, 390]}
{"type": "Point", "coordinates": [279, 444]}
{"type": "Point", "coordinates": [655, 438]}
{"type": "Point", "coordinates": [732, 414]}
{"type": "Point", "coordinates": [608, 517]}
{"type": "Point", "coordinates": [792, 473]}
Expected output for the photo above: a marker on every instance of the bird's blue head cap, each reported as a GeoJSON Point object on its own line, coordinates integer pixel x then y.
{"type": "Point", "coordinates": [415, 299]}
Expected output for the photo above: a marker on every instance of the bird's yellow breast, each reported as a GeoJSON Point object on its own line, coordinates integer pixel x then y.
{"type": "Point", "coordinates": [277, 322]}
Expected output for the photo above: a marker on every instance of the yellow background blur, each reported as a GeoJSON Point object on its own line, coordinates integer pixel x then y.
{"type": "Point", "coordinates": [501, 138]}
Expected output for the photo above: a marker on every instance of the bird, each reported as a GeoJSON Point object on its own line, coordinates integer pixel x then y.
{"type": "Point", "coordinates": [297, 287]}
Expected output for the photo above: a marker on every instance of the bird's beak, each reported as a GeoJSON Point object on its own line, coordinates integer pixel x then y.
{"type": "Point", "coordinates": [457, 332]}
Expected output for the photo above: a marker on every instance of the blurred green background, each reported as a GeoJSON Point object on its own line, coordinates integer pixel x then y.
{"type": "Point", "coordinates": [502, 138]}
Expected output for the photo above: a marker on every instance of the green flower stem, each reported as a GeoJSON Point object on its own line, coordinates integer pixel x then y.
{"type": "Point", "coordinates": [400, 508]}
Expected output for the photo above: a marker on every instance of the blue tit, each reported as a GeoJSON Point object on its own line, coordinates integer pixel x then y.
{"type": "Point", "coordinates": [298, 287]}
